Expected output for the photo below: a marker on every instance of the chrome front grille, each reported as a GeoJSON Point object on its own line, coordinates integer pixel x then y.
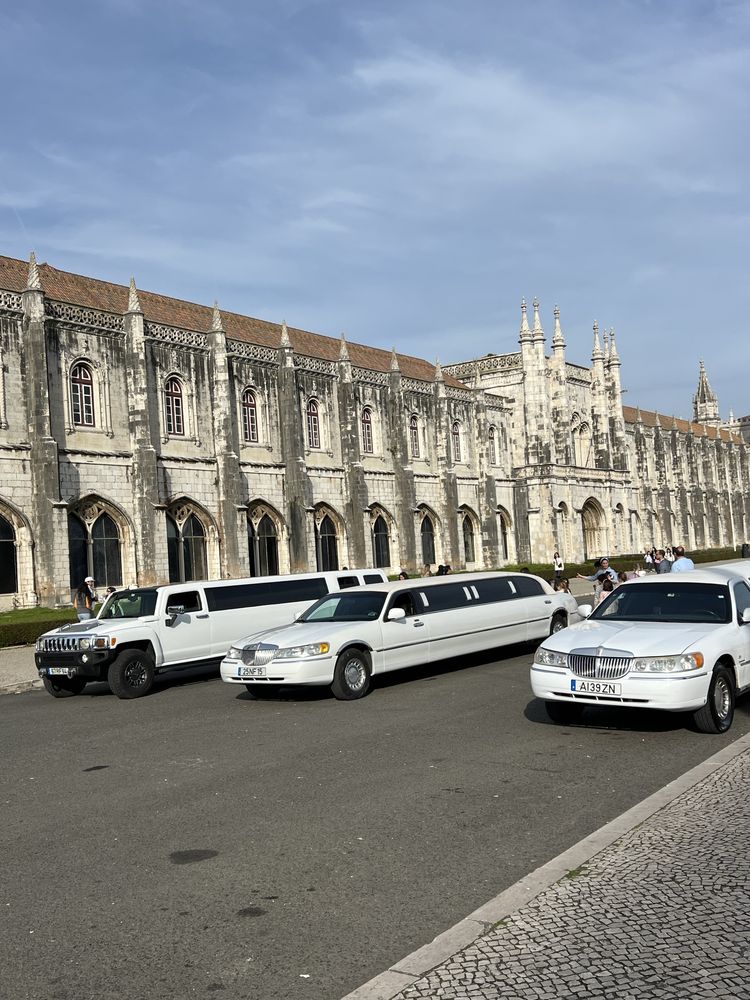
{"type": "Point", "coordinates": [258, 654]}
{"type": "Point", "coordinates": [600, 668]}
{"type": "Point", "coordinates": [61, 644]}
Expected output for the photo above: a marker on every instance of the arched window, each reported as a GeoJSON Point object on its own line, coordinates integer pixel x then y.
{"type": "Point", "coordinates": [82, 395]}
{"type": "Point", "coordinates": [249, 416]}
{"type": "Point", "coordinates": [186, 549]}
{"type": "Point", "coordinates": [380, 543]}
{"type": "Point", "coordinates": [313, 425]}
{"type": "Point", "coordinates": [263, 544]}
{"type": "Point", "coordinates": [427, 531]}
{"type": "Point", "coordinates": [367, 440]}
{"type": "Point", "coordinates": [468, 531]}
{"type": "Point", "coordinates": [174, 410]}
{"type": "Point", "coordinates": [94, 549]}
{"type": "Point", "coordinates": [492, 446]}
{"type": "Point", "coordinates": [326, 545]}
{"type": "Point", "coordinates": [456, 438]}
{"type": "Point", "coordinates": [8, 568]}
{"type": "Point", "coordinates": [414, 436]}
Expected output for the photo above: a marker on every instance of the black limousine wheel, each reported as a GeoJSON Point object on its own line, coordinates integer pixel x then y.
{"type": "Point", "coordinates": [351, 678]}
{"type": "Point", "coordinates": [132, 674]}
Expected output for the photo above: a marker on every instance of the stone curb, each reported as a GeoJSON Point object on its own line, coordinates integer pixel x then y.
{"type": "Point", "coordinates": [408, 970]}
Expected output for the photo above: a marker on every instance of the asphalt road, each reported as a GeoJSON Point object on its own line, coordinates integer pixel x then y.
{"type": "Point", "coordinates": [196, 843]}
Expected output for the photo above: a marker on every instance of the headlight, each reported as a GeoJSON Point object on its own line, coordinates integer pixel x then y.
{"type": "Point", "coordinates": [84, 643]}
{"type": "Point", "coordinates": [667, 664]}
{"type": "Point", "coordinates": [300, 652]}
{"type": "Point", "coordinates": [549, 658]}
{"type": "Point", "coordinates": [234, 653]}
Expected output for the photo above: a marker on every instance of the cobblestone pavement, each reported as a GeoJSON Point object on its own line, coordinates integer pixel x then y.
{"type": "Point", "coordinates": [664, 912]}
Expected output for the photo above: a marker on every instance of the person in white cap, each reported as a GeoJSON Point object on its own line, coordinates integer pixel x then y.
{"type": "Point", "coordinates": [85, 600]}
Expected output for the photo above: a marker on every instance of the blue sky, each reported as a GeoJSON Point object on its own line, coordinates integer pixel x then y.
{"type": "Point", "coordinates": [405, 171]}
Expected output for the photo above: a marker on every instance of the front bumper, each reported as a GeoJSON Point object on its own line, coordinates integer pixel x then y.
{"type": "Point", "coordinates": [667, 692]}
{"type": "Point", "coordinates": [312, 671]}
{"type": "Point", "coordinates": [89, 663]}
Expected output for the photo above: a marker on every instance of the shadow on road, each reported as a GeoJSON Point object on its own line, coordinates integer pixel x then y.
{"type": "Point", "coordinates": [609, 717]}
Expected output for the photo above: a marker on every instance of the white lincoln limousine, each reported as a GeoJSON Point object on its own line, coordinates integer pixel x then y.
{"type": "Point", "coordinates": [346, 637]}
{"type": "Point", "coordinates": [677, 642]}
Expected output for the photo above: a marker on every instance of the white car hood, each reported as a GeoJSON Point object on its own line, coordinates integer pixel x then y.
{"type": "Point", "coordinates": [301, 633]}
{"type": "Point", "coordinates": [635, 638]}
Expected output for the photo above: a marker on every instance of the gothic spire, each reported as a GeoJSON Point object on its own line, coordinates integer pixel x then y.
{"type": "Point", "coordinates": [538, 331]}
{"type": "Point", "coordinates": [525, 331]}
{"type": "Point", "coordinates": [395, 367]}
{"type": "Point", "coordinates": [285, 341]}
{"type": "Point", "coordinates": [596, 354]}
{"type": "Point", "coordinates": [134, 306]}
{"type": "Point", "coordinates": [558, 340]}
{"type": "Point", "coordinates": [33, 281]}
{"type": "Point", "coordinates": [344, 350]}
{"type": "Point", "coordinates": [614, 357]}
{"type": "Point", "coordinates": [705, 401]}
{"type": "Point", "coordinates": [438, 371]}
{"type": "Point", "coordinates": [216, 324]}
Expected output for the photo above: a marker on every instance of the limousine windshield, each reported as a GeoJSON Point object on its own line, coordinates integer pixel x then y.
{"type": "Point", "coordinates": [670, 601]}
{"type": "Point", "coordinates": [129, 604]}
{"type": "Point", "coordinates": [347, 607]}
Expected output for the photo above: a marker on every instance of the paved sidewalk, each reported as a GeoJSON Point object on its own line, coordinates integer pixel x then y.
{"type": "Point", "coordinates": [17, 670]}
{"type": "Point", "coordinates": [654, 906]}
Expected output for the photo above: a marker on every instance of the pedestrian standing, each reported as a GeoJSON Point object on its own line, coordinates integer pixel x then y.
{"type": "Point", "coordinates": [85, 599]}
{"type": "Point", "coordinates": [558, 565]}
{"type": "Point", "coordinates": [681, 564]}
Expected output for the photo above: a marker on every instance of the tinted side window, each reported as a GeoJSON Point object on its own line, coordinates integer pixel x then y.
{"type": "Point", "coordinates": [445, 597]}
{"type": "Point", "coordinates": [742, 597]}
{"type": "Point", "coordinates": [373, 578]}
{"type": "Point", "coordinates": [494, 590]}
{"type": "Point", "coordinates": [258, 595]}
{"type": "Point", "coordinates": [347, 581]}
{"type": "Point", "coordinates": [527, 586]}
{"type": "Point", "coordinates": [409, 600]}
{"type": "Point", "coordinates": [190, 599]}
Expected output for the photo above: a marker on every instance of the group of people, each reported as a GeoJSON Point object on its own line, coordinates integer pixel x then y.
{"type": "Point", "coordinates": [85, 598]}
{"type": "Point", "coordinates": [669, 560]}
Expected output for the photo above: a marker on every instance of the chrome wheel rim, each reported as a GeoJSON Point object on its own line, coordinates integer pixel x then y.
{"type": "Point", "coordinates": [557, 625]}
{"type": "Point", "coordinates": [355, 674]}
{"type": "Point", "coordinates": [722, 698]}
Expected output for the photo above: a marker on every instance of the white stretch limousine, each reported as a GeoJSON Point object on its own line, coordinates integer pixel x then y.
{"type": "Point", "coordinates": [141, 631]}
{"type": "Point", "coordinates": [345, 638]}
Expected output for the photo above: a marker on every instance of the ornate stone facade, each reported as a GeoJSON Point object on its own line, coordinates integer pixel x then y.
{"type": "Point", "coordinates": [144, 438]}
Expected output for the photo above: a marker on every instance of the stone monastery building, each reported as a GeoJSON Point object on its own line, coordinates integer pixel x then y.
{"type": "Point", "coordinates": [146, 439]}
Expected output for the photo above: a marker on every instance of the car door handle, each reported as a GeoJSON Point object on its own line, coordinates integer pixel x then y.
{"type": "Point", "coordinates": [205, 615]}
{"type": "Point", "coordinates": [418, 624]}
{"type": "Point", "coordinates": [548, 602]}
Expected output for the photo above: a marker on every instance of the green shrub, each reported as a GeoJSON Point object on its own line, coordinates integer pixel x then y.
{"type": "Point", "coordinates": [26, 632]}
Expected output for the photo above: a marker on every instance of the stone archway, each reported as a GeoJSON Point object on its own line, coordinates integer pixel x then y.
{"type": "Point", "coordinates": [594, 530]}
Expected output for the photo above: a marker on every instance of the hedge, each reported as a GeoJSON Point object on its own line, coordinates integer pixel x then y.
{"type": "Point", "coordinates": [24, 633]}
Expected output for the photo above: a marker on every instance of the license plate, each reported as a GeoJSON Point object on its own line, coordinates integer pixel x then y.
{"type": "Point", "coordinates": [595, 687]}
{"type": "Point", "coordinates": [56, 670]}
{"type": "Point", "coordinates": [252, 672]}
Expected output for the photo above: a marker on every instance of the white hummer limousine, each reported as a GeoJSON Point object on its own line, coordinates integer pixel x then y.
{"type": "Point", "coordinates": [141, 631]}
{"type": "Point", "coordinates": [345, 638]}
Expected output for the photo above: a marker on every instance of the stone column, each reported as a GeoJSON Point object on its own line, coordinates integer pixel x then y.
{"type": "Point", "coordinates": [356, 500]}
{"type": "Point", "coordinates": [403, 473]}
{"type": "Point", "coordinates": [298, 487]}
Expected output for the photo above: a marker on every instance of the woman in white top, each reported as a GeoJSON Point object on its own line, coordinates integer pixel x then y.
{"type": "Point", "coordinates": [558, 565]}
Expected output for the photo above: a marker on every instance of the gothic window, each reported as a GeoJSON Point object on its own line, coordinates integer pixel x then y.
{"type": "Point", "coordinates": [380, 542]}
{"type": "Point", "coordinates": [492, 446]}
{"type": "Point", "coordinates": [414, 436]}
{"type": "Point", "coordinates": [82, 395]}
{"type": "Point", "coordinates": [468, 531]}
{"type": "Point", "coordinates": [326, 545]}
{"type": "Point", "coordinates": [94, 549]}
{"type": "Point", "coordinates": [8, 568]}
{"type": "Point", "coordinates": [367, 439]}
{"type": "Point", "coordinates": [174, 409]}
{"type": "Point", "coordinates": [249, 416]}
{"type": "Point", "coordinates": [186, 549]}
{"type": "Point", "coordinates": [427, 532]}
{"type": "Point", "coordinates": [313, 424]}
{"type": "Point", "coordinates": [456, 439]}
{"type": "Point", "coordinates": [263, 544]}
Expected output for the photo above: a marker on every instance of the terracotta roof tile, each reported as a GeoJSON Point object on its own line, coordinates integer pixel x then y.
{"type": "Point", "coordinates": [649, 418]}
{"type": "Point", "coordinates": [64, 286]}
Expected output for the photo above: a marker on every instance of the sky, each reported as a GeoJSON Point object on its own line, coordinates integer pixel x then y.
{"type": "Point", "coordinates": [403, 171]}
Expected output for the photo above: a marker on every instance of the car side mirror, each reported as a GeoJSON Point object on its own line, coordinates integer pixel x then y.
{"type": "Point", "coordinates": [173, 612]}
{"type": "Point", "coordinates": [585, 609]}
{"type": "Point", "coordinates": [745, 617]}
{"type": "Point", "coordinates": [396, 615]}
